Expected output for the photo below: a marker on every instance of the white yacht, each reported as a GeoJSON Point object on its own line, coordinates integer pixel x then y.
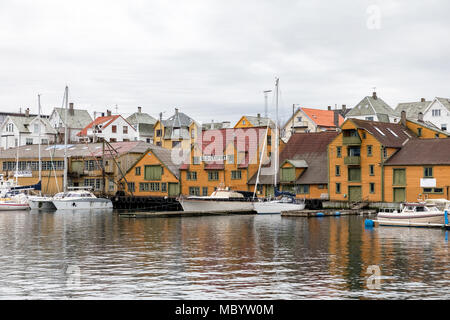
{"type": "Point", "coordinates": [44, 203]}
{"type": "Point", "coordinates": [81, 199]}
{"type": "Point", "coordinates": [420, 213]}
{"type": "Point", "coordinates": [223, 199]}
{"type": "Point", "coordinates": [278, 205]}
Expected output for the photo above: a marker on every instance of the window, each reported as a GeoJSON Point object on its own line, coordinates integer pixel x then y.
{"type": "Point", "coordinates": [125, 129]}
{"type": "Point", "coordinates": [154, 186]}
{"type": "Point", "coordinates": [236, 175]}
{"type": "Point", "coordinates": [302, 189]}
{"type": "Point", "coordinates": [299, 119]}
{"type": "Point", "coordinates": [230, 158]}
{"type": "Point", "coordinates": [399, 177]}
{"type": "Point", "coordinates": [369, 118]}
{"type": "Point", "coordinates": [433, 190]}
{"type": "Point", "coordinates": [131, 186]}
{"type": "Point", "coordinates": [193, 133]}
{"type": "Point", "coordinates": [371, 169]}
{"type": "Point", "coordinates": [444, 127]}
{"type": "Point", "coordinates": [354, 174]}
{"type": "Point", "coordinates": [339, 152]}
{"type": "Point", "coordinates": [436, 113]}
{"type": "Point", "coordinates": [372, 187]}
{"type": "Point", "coordinates": [29, 141]}
{"type": "Point", "coordinates": [205, 191]}
{"type": "Point", "coordinates": [152, 172]}
{"type": "Point", "coordinates": [158, 143]}
{"type": "Point", "coordinates": [114, 129]}
{"type": "Point", "coordinates": [137, 171]}
{"type": "Point", "coordinates": [385, 153]}
{"type": "Point", "coordinates": [196, 160]}
{"type": "Point", "coordinates": [213, 175]}
{"type": "Point", "coordinates": [44, 141]}
{"type": "Point", "coordinates": [363, 135]}
{"type": "Point", "coordinates": [112, 140]}
{"type": "Point", "coordinates": [419, 132]}
{"type": "Point", "coordinates": [243, 121]}
{"type": "Point", "coordinates": [10, 127]}
{"type": "Point", "coordinates": [164, 187]}
{"type": "Point", "coordinates": [191, 175]}
{"type": "Point", "coordinates": [428, 172]}
{"type": "Point", "coordinates": [176, 144]}
{"type": "Point", "coordinates": [91, 165]}
{"type": "Point", "coordinates": [158, 133]}
{"type": "Point", "coordinates": [338, 187]}
{"type": "Point", "coordinates": [369, 151]}
{"type": "Point", "coordinates": [36, 128]}
{"type": "Point", "coordinates": [194, 191]}
{"type": "Point", "coordinates": [287, 174]}
{"type": "Point", "coordinates": [338, 171]}
{"type": "Point", "coordinates": [269, 140]}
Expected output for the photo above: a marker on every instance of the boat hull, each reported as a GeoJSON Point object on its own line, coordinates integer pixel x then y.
{"type": "Point", "coordinates": [396, 219]}
{"type": "Point", "coordinates": [42, 205]}
{"type": "Point", "coordinates": [13, 206]}
{"type": "Point", "coordinates": [269, 207]}
{"type": "Point", "coordinates": [215, 205]}
{"type": "Point", "coordinates": [82, 204]}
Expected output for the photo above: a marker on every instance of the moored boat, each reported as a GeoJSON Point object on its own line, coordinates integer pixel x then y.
{"type": "Point", "coordinates": [13, 203]}
{"type": "Point", "coordinates": [412, 214]}
{"type": "Point", "coordinates": [277, 206]}
{"type": "Point", "coordinates": [222, 199]}
{"type": "Point", "coordinates": [81, 199]}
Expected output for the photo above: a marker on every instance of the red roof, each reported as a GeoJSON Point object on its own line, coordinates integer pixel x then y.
{"type": "Point", "coordinates": [324, 118]}
{"type": "Point", "coordinates": [100, 120]}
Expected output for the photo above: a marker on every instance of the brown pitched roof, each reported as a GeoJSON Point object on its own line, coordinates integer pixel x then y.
{"type": "Point", "coordinates": [310, 147]}
{"type": "Point", "coordinates": [388, 134]}
{"type": "Point", "coordinates": [422, 152]}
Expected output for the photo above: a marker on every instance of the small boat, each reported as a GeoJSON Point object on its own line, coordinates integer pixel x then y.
{"type": "Point", "coordinates": [81, 199]}
{"type": "Point", "coordinates": [222, 199]}
{"type": "Point", "coordinates": [44, 203]}
{"type": "Point", "coordinates": [277, 206]}
{"type": "Point", "coordinates": [13, 203]}
{"type": "Point", "coordinates": [420, 213]}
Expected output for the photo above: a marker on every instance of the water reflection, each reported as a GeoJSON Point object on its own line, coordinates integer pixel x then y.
{"type": "Point", "coordinates": [100, 255]}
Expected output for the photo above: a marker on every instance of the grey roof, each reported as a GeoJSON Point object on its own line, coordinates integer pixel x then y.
{"type": "Point", "coordinates": [412, 109]}
{"type": "Point", "coordinates": [22, 123]}
{"type": "Point", "coordinates": [146, 129]}
{"type": "Point", "coordinates": [78, 120]}
{"type": "Point", "coordinates": [260, 121]}
{"type": "Point", "coordinates": [178, 120]}
{"type": "Point", "coordinates": [372, 106]}
{"type": "Point", "coordinates": [165, 156]}
{"type": "Point", "coordinates": [141, 117]}
{"type": "Point", "coordinates": [215, 125]}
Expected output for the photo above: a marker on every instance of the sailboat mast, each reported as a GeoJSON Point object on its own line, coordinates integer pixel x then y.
{"type": "Point", "coordinates": [276, 134]}
{"type": "Point", "coordinates": [65, 139]}
{"type": "Point", "coordinates": [39, 136]}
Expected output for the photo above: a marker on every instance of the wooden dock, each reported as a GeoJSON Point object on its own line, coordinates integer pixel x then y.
{"type": "Point", "coordinates": [326, 213]}
{"type": "Point", "coordinates": [168, 214]}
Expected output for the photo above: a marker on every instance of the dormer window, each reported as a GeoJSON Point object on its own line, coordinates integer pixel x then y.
{"type": "Point", "coordinates": [10, 127]}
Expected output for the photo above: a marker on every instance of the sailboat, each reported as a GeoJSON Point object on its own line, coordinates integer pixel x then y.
{"type": "Point", "coordinates": [76, 199]}
{"type": "Point", "coordinates": [285, 201]}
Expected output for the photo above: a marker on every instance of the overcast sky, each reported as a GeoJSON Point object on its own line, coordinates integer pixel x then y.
{"type": "Point", "coordinates": [214, 59]}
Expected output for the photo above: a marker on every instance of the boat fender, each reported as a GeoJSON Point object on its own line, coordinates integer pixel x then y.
{"type": "Point", "coordinates": [337, 213]}
{"type": "Point", "coordinates": [320, 214]}
{"type": "Point", "coordinates": [446, 216]}
{"type": "Point", "coordinates": [368, 223]}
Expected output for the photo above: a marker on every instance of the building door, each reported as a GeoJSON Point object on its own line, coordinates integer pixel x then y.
{"type": "Point", "coordinates": [174, 189]}
{"type": "Point", "coordinates": [354, 193]}
{"type": "Point", "coordinates": [399, 195]}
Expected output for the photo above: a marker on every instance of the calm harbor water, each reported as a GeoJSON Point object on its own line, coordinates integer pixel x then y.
{"type": "Point", "coordinates": [99, 255]}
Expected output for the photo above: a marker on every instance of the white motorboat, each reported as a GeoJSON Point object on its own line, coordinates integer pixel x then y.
{"type": "Point", "coordinates": [223, 199]}
{"type": "Point", "coordinates": [81, 199]}
{"type": "Point", "coordinates": [13, 203]}
{"type": "Point", "coordinates": [412, 214]}
{"type": "Point", "coordinates": [277, 206]}
{"type": "Point", "coordinates": [44, 203]}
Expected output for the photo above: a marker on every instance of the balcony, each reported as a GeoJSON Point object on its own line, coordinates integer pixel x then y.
{"type": "Point", "coordinates": [351, 140]}
{"type": "Point", "coordinates": [352, 160]}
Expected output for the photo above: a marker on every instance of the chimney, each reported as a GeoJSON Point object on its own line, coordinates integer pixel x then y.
{"type": "Point", "coordinates": [108, 113]}
{"type": "Point", "coordinates": [374, 95]}
{"type": "Point", "coordinates": [176, 110]}
{"type": "Point", "coordinates": [420, 116]}
{"type": "Point", "coordinates": [403, 118]}
{"type": "Point", "coordinates": [344, 107]}
{"type": "Point", "coordinates": [71, 112]}
{"type": "Point", "coordinates": [139, 109]}
{"type": "Point", "coordinates": [336, 118]}
{"type": "Point", "coordinates": [27, 112]}
{"type": "Point", "coordinates": [422, 100]}
{"type": "Point", "coordinates": [329, 108]}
